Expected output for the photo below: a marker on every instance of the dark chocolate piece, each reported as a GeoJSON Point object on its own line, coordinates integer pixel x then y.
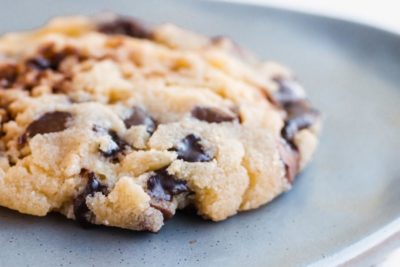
{"type": "Point", "coordinates": [163, 206]}
{"type": "Point", "coordinates": [121, 146]}
{"type": "Point", "coordinates": [50, 58]}
{"type": "Point", "coordinates": [125, 26]}
{"type": "Point", "coordinates": [140, 117]}
{"type": "Point", "coordinates": [163, 186]}
{"type": "Point", "coordinates": [81, 211]}
{"type": "Point", "coordinates": [50, 122]}
{"type": "Point", "coordinates": [290, 158]}
{"type": "Point", "coordinates": [189, 149]}
{"type": "Point", "coordinates": [212, 115]}
{"type": "Point", "coordinates": [300, 114]}
{"type": "Point", "coordinates": [289, 91]}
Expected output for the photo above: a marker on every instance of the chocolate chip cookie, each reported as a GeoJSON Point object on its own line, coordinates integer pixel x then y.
{"type": "Point", "coordinates": [112, 122]}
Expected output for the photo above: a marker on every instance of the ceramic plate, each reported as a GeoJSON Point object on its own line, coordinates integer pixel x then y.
{"type": "Point", "coordinates": [349, 192]}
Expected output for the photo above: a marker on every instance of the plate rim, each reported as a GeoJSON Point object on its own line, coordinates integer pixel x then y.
{"type": "Point", "coordinates": [377, 238]}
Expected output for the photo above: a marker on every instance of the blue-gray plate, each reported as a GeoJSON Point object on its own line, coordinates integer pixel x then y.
{"type": "Point", "coordinates": [349, 192]}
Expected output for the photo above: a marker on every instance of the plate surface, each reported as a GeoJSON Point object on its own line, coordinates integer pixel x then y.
{"type": "Point", "coordinates": [351, 189]}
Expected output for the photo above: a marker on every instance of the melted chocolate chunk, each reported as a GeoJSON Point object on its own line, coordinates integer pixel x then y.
{"type": "Point", "coordinates": [299, 116]}
{"type": "Point", "coordinates": [212, 115]}
{"type": "Point", "coordinates": [189, 149]}
{"type": "Point", "coordinates": [120, 143]}
{"type": "Point", "coordinates": [8, 75]}
{"type": "Point", "coordinates": [290, 157]}
{"type": "Point", "coordinates": [113, 154]}
{"type": "Point", "coordinates": [163, 186]}
{"type": "Point", "coordinates": [289, 91]}
{"type": "Point", "coordinates": [50, 122]}
{"type": "Point", "coordinates": [81, 211]}
{"type": "Point", "coordinates": [41, 63]}
{"type": "Point", "coordinates": [125, 26]}
{"type": "Point", "coordinates": [50, 58]}
{"type": "Point", "coordinates": [163, 206]}
{"type": "Point", "coordinates": [140, 117]}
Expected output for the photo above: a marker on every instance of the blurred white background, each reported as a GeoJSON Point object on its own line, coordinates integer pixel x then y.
{"type": "Point", "coordinates": [380, 13]}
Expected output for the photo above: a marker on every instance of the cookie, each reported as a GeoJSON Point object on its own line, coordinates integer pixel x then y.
{"type": "Point", "coordinates": [112, 122]}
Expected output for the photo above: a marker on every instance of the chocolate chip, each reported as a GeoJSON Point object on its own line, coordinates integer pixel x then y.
{"type": "Point", "coordinates": [218, 39]}
{"type": "Point", "coordinates": [140, 117]}
{"type": "Point", "coordinates": [50, 122]}
{"type": "Point", "coordinates": [163, 186]}
{"type": "Point", "coordinates": [299, 116]}
{"type": "Point", "coordinates": [120, 142]}
{"type": "Point", "coordinates": [121, 146]}
{"type": "Point", "coordinates": [125, 26]}
{"type": "Point", "coordinates": [189, 149]}
{"type": "Point", "coordinates": [8, 75]}
{"type": "Point", "coordinates": [165, 207]}
{"type": "Point", "coordinates": [290, 157]}
{"type": "Point", "coordinates": [41, 63]}
{"type": "Point", "coordinates": [81, 211]}
{"type": "Point", "coordinates": [212, 115]}
{"type": "Point", "coordinates": [50, 58]}
{"type": "Point", "coordinates": [289, 91]}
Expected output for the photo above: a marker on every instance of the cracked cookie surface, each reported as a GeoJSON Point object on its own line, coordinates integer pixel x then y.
{"type": "Point", "coordinates": [110, 122]}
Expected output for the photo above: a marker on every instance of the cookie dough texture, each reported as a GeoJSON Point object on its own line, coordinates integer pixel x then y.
{"type": "Point", "coordinates": [110, 122]}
